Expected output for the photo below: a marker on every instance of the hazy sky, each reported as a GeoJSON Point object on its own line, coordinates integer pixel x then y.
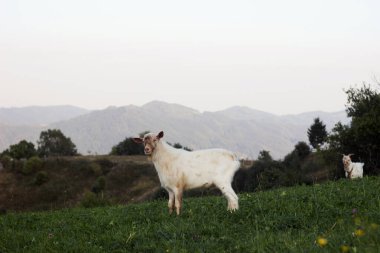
{"type": "Point", "coordinates": [277, 56]}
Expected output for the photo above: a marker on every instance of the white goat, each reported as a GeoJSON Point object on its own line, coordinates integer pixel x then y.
{"type": "Point", "coordinates": [352, 170]}
{"type": "Point", "coordinates": [179, 169]}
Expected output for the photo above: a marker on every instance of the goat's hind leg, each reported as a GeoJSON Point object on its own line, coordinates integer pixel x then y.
{"type": "Point", "coordinates": [232, 198]}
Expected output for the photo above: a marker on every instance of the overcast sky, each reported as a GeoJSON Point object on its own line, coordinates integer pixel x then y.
{"type": "Point", "coordinates": [276, 56]}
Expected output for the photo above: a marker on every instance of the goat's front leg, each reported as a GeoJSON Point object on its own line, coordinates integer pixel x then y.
{"type": "Point", "coordinates": [171, 201]}
{"type": "Point", "coordinates": [178, 199]}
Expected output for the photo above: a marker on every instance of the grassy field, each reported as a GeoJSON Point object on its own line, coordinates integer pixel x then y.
{"type": "Point", "coordinates": [342, 216]}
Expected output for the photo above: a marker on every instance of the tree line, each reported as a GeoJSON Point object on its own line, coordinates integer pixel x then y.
{"type": "Point", "coordinates": [53, 142]}
{"type": "Point", "coordinates": [361, 136]}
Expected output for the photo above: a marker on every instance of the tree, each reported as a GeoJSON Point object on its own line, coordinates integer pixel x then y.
{"type": "Point", "coordinates": [178, 145]}
{"type": "Point", "coordinates": [264, 156]}
{"type": "Point", "coordinates": [129, 147]}
{"type": "Point", "coordinates": [294, 159]}
{"type": "Point", "coordinates": [23, 149]}
{"type": "Point", "coordinates": [302, 149]}
{"type": "Point", "coordinates": [317, 133]}
{"type": "Point", "coordinates": [54, 143]}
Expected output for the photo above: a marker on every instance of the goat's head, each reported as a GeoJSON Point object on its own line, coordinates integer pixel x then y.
{"type": "Point", "coordinates": [149, 141]}
{"type": "Point", "coordinates": [346, 160]}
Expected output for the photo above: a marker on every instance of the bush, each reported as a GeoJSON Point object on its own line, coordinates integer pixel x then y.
{"type": "Point", "coordinates": [271, 177]}
{"type": "Point", "coordinates": [41, 177]}
{"type": "Point", "coordinates": [96, 169]}
{"type": "Point", "coordinates": [6, 161]}
{"type": "Point", "coordinates": [90, 200]}
{"type": "Point", "coordinates": [99, 185]}
{"type": "Point", "coordinates": [106, 165]}
{"type": "Point", "coordinates": [322, 165]}
{"type": "Point", "coordinates": [31, 165]}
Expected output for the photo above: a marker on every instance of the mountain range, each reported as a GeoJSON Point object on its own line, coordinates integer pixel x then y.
{"type": "Point", "coordinates": [240, 129]}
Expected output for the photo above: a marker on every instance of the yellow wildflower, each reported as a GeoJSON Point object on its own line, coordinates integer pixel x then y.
{"type": "Point", "coordinates": [321, 241]}
{"type": "Point", "coordinates": [374, 226]}
{"type": "Point", "coordinates": [359, 232]}
{"type": "Point", "coordinates": [357, 221]}
{"type": "Point", "coordinates": [344, 249]}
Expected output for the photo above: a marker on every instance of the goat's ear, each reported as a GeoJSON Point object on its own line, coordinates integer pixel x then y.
{"type": "Point", "coordinates": [137, 140]}
{"type": "Point", "coordinates": [350, 155]}
{"type": "Point", "coordinates": [160, 135]}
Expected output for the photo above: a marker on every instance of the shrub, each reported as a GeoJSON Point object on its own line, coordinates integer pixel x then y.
{"type": "Point", "coordinates": [41, 177]}
{"type": "Point", "coordinates": [99, 185]}
{"type": "Point", "coordinates": [271, 177]}
{"type": "Point", "coordinates": [106, 165]}
{"type": "Point", "coordinates": [96, 169]}
{"type": "Point", "coordinates": [90, 199]}
{"type": "Point", "coordinates": [6, 161]}
{"type": "Point", "coordinates": [31, 165]}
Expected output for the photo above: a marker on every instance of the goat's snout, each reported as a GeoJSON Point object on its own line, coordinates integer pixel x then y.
{"type": "Point", "coordinates": [147, 150]}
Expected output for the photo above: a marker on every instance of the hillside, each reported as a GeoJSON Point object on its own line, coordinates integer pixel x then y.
{"type": "Point", "coordinates": [240, 129]}
{"type": "Point", "coordinates": [335, 216]}
{"type": "Point", "coordinates": [64, 182]}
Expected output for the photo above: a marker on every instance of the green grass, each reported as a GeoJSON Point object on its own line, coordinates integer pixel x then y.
{"type": "Point", "coordinates": [282, 220]}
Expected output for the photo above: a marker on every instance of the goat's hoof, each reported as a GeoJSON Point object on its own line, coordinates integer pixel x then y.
{"type": "Point", "coordinates": [232, 208]}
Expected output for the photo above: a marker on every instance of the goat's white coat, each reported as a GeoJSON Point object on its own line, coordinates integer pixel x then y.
{"type": "Point", "coordinates": [355, 169]}
{"type": "Point", "coordinates": [179, 169]}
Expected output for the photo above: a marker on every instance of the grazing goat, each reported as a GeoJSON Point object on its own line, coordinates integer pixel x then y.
{"type": "Point", "coordinates": [179, 170]}
{"type": "Point", "coordinates": [352, 170]}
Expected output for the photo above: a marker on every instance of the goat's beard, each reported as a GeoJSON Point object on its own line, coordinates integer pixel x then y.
{"type": "Point", "coordinates": [149, 157]}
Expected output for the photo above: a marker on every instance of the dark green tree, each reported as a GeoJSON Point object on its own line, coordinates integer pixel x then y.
{"type": "Point", "coordinates": [302, 149]}
{"type": "Point", "coordinates": [129, 147]}
{"type": "Point", "coordinates": [293, 159]}
{"type": "Point", "coordinates": [264, 156]}
{"type": "Point", "coordinates": [54, 143]}
{"type": "Point", "coordinates": [317, 133]}
{"type": "Point", "coordinates": [179, 146]}
{"type": "Point", "coordinates": [23, 149]}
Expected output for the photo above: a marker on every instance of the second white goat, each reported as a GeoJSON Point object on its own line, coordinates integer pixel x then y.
{"type": "Point", "coordinates": [352, 170]}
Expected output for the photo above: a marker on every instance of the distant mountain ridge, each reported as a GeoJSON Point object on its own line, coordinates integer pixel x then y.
{"type": "Point", "coordinates": [240, 129]}
{"type": "Point", "coordinates": [39, 115]}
